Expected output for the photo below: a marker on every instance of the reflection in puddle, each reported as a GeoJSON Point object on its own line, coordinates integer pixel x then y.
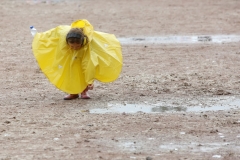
{"type": "Point", "coordinates": [158, 108]}
{"type": "Point", "coordinates": [181, 39]}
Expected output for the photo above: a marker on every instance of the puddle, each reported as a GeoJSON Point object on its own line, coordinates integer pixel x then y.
{"type": "Point", "coordinates": [179, 147]}
{"type": "Point", "coordinates": [43, 1]}
{"type": "Point", "coordinates": [159, 108]}
{"type": "Point", "coordinates": [180, 39]}
{"type": "Point", "coordinates": [195, 147]}
{"type": "Point", "coordinates": [216, 156]}
{"type": "Point", "coordinates": [129, 146]}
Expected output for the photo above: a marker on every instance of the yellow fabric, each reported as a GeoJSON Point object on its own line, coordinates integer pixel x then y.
{"type": "Point", "coordinates": [72, 70]}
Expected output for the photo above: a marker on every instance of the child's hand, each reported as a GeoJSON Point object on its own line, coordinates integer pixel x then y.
{"type": "Point", "coordinates": [90, 86]}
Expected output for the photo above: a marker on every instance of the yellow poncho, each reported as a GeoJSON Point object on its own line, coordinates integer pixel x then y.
{"type": "Point", "coordinates": [72, 70]}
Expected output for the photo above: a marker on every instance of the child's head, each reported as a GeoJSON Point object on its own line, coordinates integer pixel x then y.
{"type": "Point", "coordinates": [75, 38]}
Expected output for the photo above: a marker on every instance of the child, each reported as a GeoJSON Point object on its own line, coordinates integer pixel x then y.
{"type": "Point", "coordinates": [72, 57]}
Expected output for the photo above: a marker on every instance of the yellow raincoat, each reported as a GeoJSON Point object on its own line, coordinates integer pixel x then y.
{"type": "Point", "coordinates": [72, 70]}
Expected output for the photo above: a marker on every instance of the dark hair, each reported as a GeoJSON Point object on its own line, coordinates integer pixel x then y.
{"type": "Point", "coordinates": [76, 35]}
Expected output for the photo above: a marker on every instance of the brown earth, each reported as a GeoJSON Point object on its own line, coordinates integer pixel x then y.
{"type": "Point", "coordinates": [36, 123]}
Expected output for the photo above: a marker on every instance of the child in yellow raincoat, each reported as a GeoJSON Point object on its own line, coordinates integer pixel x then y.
{"type": "Point", "coordinates": [72, 57]}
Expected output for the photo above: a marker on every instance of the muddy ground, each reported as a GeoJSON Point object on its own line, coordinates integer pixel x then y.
{"type": "Point", "coordinates": [36, 123]}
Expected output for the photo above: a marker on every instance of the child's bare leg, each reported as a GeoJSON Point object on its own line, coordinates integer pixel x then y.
{"type": "Point", "coordinates": [84, 94]}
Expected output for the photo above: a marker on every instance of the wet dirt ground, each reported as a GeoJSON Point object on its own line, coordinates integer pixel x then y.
{"type": "Point", "coordinates": [192, 89]}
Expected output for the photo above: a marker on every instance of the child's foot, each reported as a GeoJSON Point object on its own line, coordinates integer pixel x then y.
{"type": "Point", "coordinates": [84, 94]}
{"type": "Point", "coordinates": [71, 96]}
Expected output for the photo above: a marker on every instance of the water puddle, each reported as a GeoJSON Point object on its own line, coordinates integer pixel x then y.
{"type": "Point", "coordinates": [180, 39]}
{"type": "Point", "coordinates": [179, 147]}
{"type": "Point", "coordinates": [160, 108]}
{"type": "Point", "coordinates": [196, 147]}
{"type": "Point", "coordinates": [131, 146]}
{"type": "Point", "coordinates": [43, 1]}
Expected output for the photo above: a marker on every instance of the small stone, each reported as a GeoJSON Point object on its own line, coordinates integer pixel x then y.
{"type": "Point", "coordinates": [7, 122]}
{"type": "Point", "coordinates": [149, 158]}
